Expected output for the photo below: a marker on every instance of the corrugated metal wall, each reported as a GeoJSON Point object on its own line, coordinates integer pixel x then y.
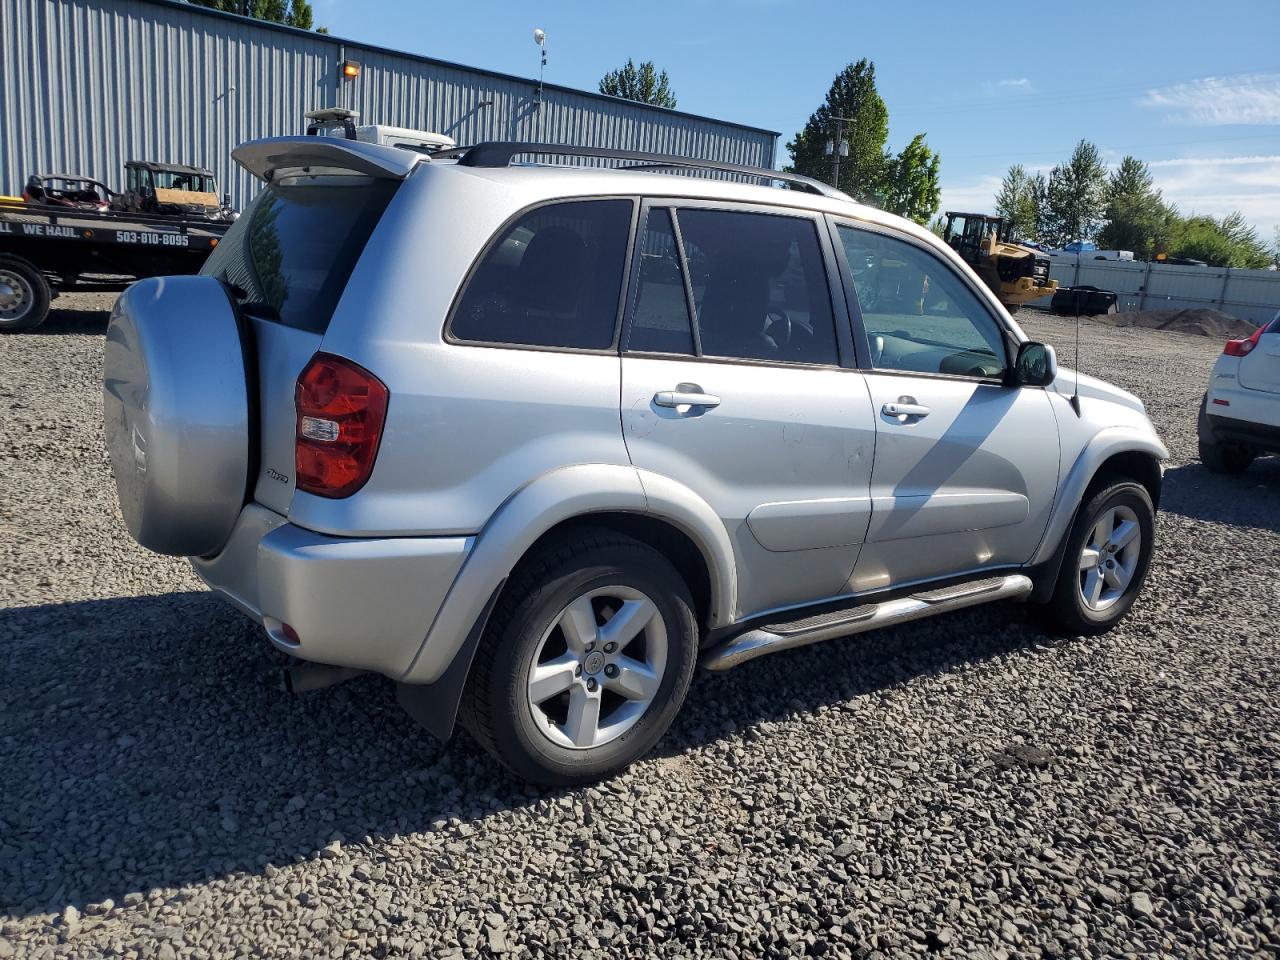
{"type": "Point", "coordinates": [1252, 295]}
{"type": "Point", "coordinates": [87, 84]}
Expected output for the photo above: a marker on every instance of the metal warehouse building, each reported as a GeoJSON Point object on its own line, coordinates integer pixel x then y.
{"type": "Point", "coordinates": [88, 84]}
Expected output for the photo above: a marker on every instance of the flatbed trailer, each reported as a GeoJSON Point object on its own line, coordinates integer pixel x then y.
{"type": "Point", "coordinates": [46, 250]}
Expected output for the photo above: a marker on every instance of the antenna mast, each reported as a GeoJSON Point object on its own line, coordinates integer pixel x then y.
{"type": "Point", "coordinates": [1075, 396]}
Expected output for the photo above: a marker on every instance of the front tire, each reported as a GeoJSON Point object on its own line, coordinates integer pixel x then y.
{"type": "Point", "coordinates": [1108, 552]}
{"type": "Point", "coordinates": [556, 693]}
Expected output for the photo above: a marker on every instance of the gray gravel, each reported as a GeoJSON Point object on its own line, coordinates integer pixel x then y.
{"type": "Point", "coordinates": [963, 786]}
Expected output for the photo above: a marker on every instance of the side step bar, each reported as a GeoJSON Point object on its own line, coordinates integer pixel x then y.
{"type": "Point", "coordinates": [858, 619]}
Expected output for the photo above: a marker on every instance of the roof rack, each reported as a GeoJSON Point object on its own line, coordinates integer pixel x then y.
{"type": "Point", "coordinates": [499, 153]}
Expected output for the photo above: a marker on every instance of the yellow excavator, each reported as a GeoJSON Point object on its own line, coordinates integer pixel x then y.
{"type": "Point", "coordinates": [1014, 272]}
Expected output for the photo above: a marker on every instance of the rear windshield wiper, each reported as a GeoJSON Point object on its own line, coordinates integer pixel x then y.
{"type": "Point", "coordinates": [257, 308]}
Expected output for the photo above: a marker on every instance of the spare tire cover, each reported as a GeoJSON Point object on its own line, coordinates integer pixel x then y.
{"type": "Point", "coordinates": [176, 413]}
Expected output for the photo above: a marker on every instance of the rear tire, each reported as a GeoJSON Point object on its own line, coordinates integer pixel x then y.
{"type": "Point", "coordinates": [525, 703]}
{"type": "Point", "coordinates": [1228, 460]}
{"type": "Point", "coordinates": [1105, 561]}
{"type": "Point", "coordinates": [1217, 457]}
{"type": "Point", "coordinates": [24, 295]}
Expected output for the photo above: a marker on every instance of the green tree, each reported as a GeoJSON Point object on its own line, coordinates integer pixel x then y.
{"type": "Point", "coordinates": [295, 13]}
{"type": "Point", "coordinates": [1077, 196]}
{"type": "Point", "coordinates": [300, 15]}
{"type": "Point", "coordinates": [1018, 203]}
{"type": "Point", "coordinates": [643, 84]}
{"type": "Point", "coordinates": [1137, 218]}
{"type": "Point", "coordinates": [911, 182]}
{"type": "Point", "coordinates": [1275, 248]}
{"type": "Point", "coordinates": [1229, 242]}
{"type": "Point", "coordinates": [852, 96]}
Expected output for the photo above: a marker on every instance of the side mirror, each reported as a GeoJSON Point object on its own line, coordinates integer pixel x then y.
{"type": "Point", "coordinates": [1036, 366]}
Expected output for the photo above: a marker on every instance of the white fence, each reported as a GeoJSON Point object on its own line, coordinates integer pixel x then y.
{"type": "Point", "coordinates": [1252, 295]}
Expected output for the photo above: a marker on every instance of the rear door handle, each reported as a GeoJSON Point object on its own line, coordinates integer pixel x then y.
{"type": "Point", "coordinates": [681, 398]}
{"type": "Point", "coordinates": [905, 407]}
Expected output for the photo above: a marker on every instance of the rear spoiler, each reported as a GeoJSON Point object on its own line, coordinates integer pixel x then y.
{"type": "Point", "coordinates": [263, 158]}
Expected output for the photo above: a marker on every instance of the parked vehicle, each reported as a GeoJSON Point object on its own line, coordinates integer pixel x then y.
{"type": "Point", "coordinates": [49, 247]}
{"type": "Point", "coordinates": [172, 189]}
{"type": "Point", "coordinates": [1240, 413]}
{"type": "Point", "coordinates": [1015, 272]}
{"type": "Point", "coordinates": [67, 190]}
{"type": "Point", "coordinates": [536, 440]}
{"type": "Point", "coordinates": [1093, 253]}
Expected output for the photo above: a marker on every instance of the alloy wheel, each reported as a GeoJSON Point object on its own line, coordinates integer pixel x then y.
{"type": "Point", "coordinates": [1109, 558]}
{"type": "Point", "coordinates": [598, 667]}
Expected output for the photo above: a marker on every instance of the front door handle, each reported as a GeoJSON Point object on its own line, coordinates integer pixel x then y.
{"type": "Point", "coordinates": [905, 407]}
{"type": "Point", "coordinates": [685, 398]}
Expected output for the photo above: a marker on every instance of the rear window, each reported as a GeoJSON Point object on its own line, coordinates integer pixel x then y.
{"type": "Point", "coordinates": [293, 249]}
{"type": "Point", "coordinates": [553, 279]}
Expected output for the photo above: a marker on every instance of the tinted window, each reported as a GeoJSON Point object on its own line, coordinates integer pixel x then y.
{"type": "Point", "coordinates": [293, 249]}
{"type": "Point", "coordinates": [660, 323]}
{"type": "Point", "coordinates": [917, 312]}
{"type": "Point", "coordinates": [553, 279]}
{"type": "Point", "coordinates": [759, 286]}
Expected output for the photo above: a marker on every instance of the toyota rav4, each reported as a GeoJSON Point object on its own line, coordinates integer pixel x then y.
{"type": "Point", "coordinates": [536, 440]}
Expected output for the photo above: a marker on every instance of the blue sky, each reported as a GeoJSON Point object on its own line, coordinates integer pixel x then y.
{"type": "Point", "coordinates": [1190, 87]}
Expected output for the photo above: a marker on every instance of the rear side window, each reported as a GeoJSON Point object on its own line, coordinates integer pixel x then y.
{"type": "Point", "coordinates": [552, 279]}
{"type": "Point", "coordinates": [660, 322]}
{"type": "Point", "coordinates": [759, 286]}
{"type": "Point", "coordinates": [293, 249]}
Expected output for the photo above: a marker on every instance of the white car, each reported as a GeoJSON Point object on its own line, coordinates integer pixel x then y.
{"type": "Point", "coordinates": [1240, 414]}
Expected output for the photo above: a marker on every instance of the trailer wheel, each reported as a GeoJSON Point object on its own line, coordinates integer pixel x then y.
{"type": "Point", "coordinates": [24, 295]}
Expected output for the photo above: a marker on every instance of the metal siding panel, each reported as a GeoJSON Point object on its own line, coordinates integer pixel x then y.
{"type": "Point", "coordinates": [88, 84]}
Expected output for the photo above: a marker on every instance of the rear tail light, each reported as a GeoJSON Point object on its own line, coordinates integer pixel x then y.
{"type": "Point", "coordinates": [341, 410]}
{"type": "Point", "coordinates": [1242, 348]}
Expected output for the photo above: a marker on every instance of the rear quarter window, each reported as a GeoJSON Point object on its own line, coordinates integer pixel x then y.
{"type": "Point", "coordinates": [293, 249]}
{"type": "Point", "coordinates": [553, 278]}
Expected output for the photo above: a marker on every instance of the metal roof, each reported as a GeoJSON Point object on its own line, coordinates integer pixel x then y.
{"type": "Point", "coordinates": [155, 167]}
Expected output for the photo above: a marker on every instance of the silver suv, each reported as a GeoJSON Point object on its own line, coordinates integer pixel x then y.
{"type": "Point", "coordinates": [536, 440]}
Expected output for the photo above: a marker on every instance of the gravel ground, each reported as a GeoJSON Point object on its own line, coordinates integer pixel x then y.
{"type": "Point", "coordinates": [962, 786]}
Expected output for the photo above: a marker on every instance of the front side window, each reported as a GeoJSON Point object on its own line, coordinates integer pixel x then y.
{"type": "Point", "coordinates": [759, 288]}
{"type": "Point", "coordinates": [918, 314]}
{"type": "Point", "coordinates": [553, 279]}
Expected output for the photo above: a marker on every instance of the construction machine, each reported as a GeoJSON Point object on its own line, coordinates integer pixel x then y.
{"type": "Point", "coordinates": [1016, 273]}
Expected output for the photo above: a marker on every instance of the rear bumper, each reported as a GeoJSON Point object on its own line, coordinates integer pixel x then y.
{"type": "Point", "coordinates": [1259, 436]}
{"type": "Point", "coordinates": [365, 603]}
{"type": "Point", "coordinates": [1239, 416]}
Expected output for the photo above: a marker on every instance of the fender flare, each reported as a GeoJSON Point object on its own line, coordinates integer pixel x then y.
{"type": "Point", "coordinates": [550, 499]}
{"type": "Point", "coordinates": [1104, 445]}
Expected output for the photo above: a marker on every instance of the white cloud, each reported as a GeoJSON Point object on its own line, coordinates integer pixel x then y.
{"type": "Point", "coordinates": [1219, 185]}
{"type": "Point", "coordinates": [975, 196]}
{"type": "Point", "coordinates": [1248, 98]}
{"type": "Point", "coordinates": [1011, 86]}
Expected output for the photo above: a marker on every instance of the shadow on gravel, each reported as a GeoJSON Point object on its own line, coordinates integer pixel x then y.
{"type": "Point", "coordinates": [1250, 499]}
{"type": "Point", "coordinates": [145, 742]}
{"type": "Point", "coordinates": [69, 322]}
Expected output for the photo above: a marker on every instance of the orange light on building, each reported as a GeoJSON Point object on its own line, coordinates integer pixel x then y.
{"type": "Point", "coordinates": [350, 69]}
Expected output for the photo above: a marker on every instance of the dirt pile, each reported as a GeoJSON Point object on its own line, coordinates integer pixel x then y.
{"type": "Point", "coordinates": [1202, 322]}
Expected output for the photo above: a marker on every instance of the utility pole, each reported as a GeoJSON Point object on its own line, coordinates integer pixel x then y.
{"type": "Point", "coordinates": [837, 148]}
